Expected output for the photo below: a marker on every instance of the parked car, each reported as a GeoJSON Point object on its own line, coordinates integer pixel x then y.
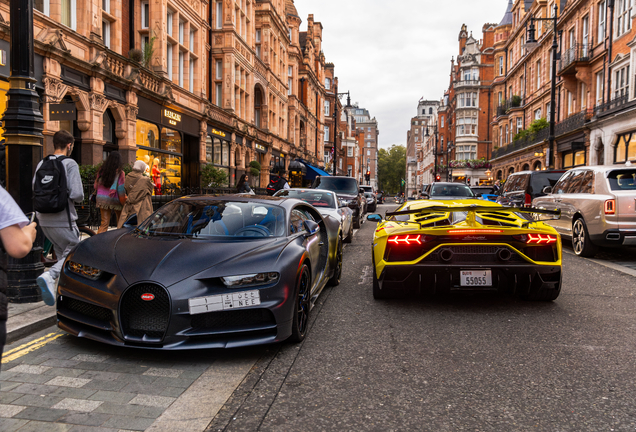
{"type": "Point", "coordinates": [372, 203]}
{"type": "Point", "coordinates": [524, 186]}
{"type": "Point", "coordinates": [202, 272]}
{"type": "Point", "coordinates": [448, 190]}
{"type": "Point", "coordinates": [348, 192]}
{"type": "Point", "coordinates": [597, 206]}
{"type": "Point", "coordinates": [379, 197]}
{"type": "Point", "coordinates": [485, 192]}
{"type": "Point", "coordinates": [328, 204]}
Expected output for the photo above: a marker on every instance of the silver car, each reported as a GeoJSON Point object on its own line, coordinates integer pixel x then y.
{"type": "Point", "coordinates": [598, 207]}
{"type": "Point", "coordinates": [327, 203]}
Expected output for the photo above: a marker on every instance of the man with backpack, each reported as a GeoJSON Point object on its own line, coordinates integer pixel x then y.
{"type": "Point", "coordinates": [277, 182]}
{"type": "Point", "coordinates": [57, 186]}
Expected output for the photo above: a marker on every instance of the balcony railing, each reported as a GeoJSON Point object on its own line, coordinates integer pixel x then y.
{"type": "Point", "coordinates": [573, 122]}
{"type": "Point", "coordinates": [507, 105]}
{"type": "Point", "coordinates": [467, 83]}
{"type": "Point", "coordinates": [520, 144]}
{"type": "Point", "coordinates": [614, 105]}
{"type": "Point", "coordinates": [578, 53]}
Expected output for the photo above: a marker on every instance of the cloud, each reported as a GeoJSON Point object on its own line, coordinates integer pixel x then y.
{"type": "Point", "coordinates": [389, 54]}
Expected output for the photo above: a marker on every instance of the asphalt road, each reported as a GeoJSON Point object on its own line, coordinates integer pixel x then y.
{"type": "Point", "coordinates": [478, 362]}
{"type": "Point", "coordinates": [465, 362]}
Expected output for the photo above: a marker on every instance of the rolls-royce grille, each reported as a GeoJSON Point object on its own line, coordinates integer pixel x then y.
{"type": "Point", "coordinates": [87, 309]}
{"type": "Point", "coordinates": [233, 319]}
{"type": "Point", "coordinates": [474, 254]}
{"type": "Point", "coordinates": [145, 311]}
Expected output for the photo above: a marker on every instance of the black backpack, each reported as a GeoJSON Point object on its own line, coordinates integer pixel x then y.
{"type": "Point", "coordinates": [275, 185]}
{"type": "Point", "coordinates": [50, 189]}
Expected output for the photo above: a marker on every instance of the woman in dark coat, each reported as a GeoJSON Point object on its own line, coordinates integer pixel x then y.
{"type": "Point", "coordinates": [243, 186]}
{"type": "Point", "coordinates": [139, 190]}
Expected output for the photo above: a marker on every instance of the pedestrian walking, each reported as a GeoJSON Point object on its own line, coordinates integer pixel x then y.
{"type": "Point", "coordinates": [16, 239]}
{"type": "Point", "coordinates": [277, 182]}
{"type": "Point", "coordinates": [497, 186]}
{"type": "Point", "coordinates": [139, 189]}
{"type": "Point", "coordinates": [111, 192]}
{"type": "Point", "coordinates": [57, 186]}
{"type": "Point", "coordinates": [243, 185]}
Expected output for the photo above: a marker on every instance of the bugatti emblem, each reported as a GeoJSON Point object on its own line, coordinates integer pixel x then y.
{"type": "Point", "coordinates": [147, 297]}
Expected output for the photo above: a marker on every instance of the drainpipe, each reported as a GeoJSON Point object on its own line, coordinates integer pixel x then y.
{"type": "Point", "coordinates": [210, 59]}
{"type": "Point", "coordinates": [610, 5]}
{"type": "Point", "coordinates": [131, 25]}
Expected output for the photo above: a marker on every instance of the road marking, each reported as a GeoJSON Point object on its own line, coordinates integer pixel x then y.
{"type": "Point", "coordinates": [365, 277]}
{"type": "Point", "coordinates": [29, 347]}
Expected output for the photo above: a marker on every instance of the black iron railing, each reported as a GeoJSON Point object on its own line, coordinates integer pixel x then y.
{"type": "Point", "coordinates": [580, 52]}
{"type": "Point", "coordinates": [573, 122]}
{"type": "Point", "coordinates": [507, 105]}
{"type": "Point", "coordinates": [614, 105]}
{"type": "Point", "coordinates": [520, 144]}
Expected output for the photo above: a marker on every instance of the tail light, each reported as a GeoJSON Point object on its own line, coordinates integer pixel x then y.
{"type": "Point", "coordinates": [542, 239]}
{"type": "Point", "coordinates": [406, 240]}
{"type": "Point", "coordinates": [610, 207]}
{"type": "Point", "coordinates": [528, 201]}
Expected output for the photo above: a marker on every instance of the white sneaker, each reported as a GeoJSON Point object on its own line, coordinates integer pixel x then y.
{"type": "Point", "coordinates": [47, 286]}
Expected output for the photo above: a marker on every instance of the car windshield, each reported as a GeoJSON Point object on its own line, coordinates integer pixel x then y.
{"type": "Point", "coordinates": [210, 218]}
{"type": "Point", "coordinates": [624, 179]}
{"type": "Point", "coordinates": [451, 190]}
{"type": "Point", "coordinates": [338, 185]}
{"type": "Point", "coordinates": [315, 198]}
{"type": "Point", "coordinates": [368, 194]}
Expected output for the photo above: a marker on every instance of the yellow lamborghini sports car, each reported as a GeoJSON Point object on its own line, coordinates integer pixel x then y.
{"type": "Point", "coordinates": [470, 244]}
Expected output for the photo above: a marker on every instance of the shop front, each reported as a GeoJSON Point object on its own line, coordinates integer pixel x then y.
{"type": "Point", "coordinates": [572, 151]}
{"type": "Point", "coordinates": [217, 153]}
{"type": "Point", "coordinates": [260, 156]}
{"type": "Point", "coordinates": [167, 141]}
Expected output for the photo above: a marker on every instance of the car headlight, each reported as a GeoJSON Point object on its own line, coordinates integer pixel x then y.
{"type": "Point", "coordinates": [83, 270]}
{"type": "Point", "coordinates": [250, 279]}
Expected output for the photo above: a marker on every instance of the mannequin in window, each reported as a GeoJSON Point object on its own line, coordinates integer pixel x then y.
{"type": "Point", "coordinates": [156, 176]}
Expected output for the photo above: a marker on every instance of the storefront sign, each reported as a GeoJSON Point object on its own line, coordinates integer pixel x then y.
{"type": "Point", "coordinates": [218, 133]}
{"type": "Point", "coordinates": [260, 148]}
{"type": "Point", "coordinates": [173, 118]}
{"type": "Point", "coordinates": [65, 111]}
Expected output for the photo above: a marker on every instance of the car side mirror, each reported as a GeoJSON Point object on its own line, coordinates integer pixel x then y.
{"type": "Point", "coordinates": [311, 228]}
{"type": "Point", "coordinates": [547, 190]}
{"type": "Point", "coordinates": [478, 195]}
{"type": "Point", "coordinates": [425, 196]}
{"type": "Point", "coordinates": [341, 204]}
{"type": "Point", "coordinates": [131, 222]}
{"type": "Point", "coordinates": [374, 218]}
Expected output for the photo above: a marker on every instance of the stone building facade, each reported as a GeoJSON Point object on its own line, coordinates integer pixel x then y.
{"type": "Point", "coordinates": [180, 84]}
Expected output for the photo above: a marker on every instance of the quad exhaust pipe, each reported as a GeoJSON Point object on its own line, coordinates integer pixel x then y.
{"type": "Point", "coordinates": [504, 254]}
{"type": "Point", "coordinates": [446, 255]}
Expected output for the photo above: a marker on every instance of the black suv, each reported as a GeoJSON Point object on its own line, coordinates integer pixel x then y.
{"type": "Point", "coordinates": [348, 192]}
{"type": "Point", "coordinates": [524, 186]}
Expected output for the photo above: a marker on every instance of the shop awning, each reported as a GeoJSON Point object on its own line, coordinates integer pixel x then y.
{"type": "Point", "coordinates": [313, 171]}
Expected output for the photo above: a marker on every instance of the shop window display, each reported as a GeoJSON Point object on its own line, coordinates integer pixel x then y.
{"type": "Point", "coordinates": [162, 153]}
{"type": "Point", "coordinates": [217, 152]}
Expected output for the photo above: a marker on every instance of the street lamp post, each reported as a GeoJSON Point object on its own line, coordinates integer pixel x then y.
{"type": "Point", "coordinates": [23, 125]}
{"type": "Point", "coordinates": [335, 124]}
{"type": "Point", "coordinates": [555, 56]}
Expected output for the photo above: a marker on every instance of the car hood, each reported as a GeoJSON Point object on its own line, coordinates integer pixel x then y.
{"type": "Point", "coordinates": [169, 260]}
{"type": "Point", "coordinates": [347, 196]}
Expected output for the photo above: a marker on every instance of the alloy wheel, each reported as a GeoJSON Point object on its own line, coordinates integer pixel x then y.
{"type": "Point", "coordinates": [578, 237]}
{"type": "Point", "coordinates": [303, 302]}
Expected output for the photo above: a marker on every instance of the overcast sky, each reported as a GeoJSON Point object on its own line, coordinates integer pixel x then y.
{"type": "Point", "coordinates": [389, 54]}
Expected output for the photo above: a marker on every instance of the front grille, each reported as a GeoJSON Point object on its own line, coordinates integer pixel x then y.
{"type": "Point", "coordinates": [233, 319]}
{"type": "Point", "coordinates": [87, 309]}
{"type": "Point", "coordinates": [141, 318]}
{"type": "Point", "coordinates": [474, 254]}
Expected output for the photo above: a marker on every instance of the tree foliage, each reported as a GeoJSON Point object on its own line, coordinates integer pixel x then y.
{"type": "Point", "coordinates": [391, 168]}
{"type": "Point", "coordinates": [213, 177]}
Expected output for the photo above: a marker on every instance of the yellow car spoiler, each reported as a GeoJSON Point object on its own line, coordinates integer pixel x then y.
{"type": "Point", "coordinates": [476, 209]}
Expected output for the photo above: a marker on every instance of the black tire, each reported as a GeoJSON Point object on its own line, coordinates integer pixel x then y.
{"type": "Point", "coordinates": [581, 242]}
{"type": "Point", "coordinates": [335, 278]}
{"type": "Point", "coordinates": [302, 304]}
{"type": "Point", "coordinates": [349, 237]}
{"type": "Point", "coordinates": [378, 293]}
{"type": "Point", "coordinates": [356, 221]}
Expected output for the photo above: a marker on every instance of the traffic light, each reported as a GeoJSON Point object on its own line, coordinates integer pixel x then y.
{"type": "Point", "coordinates": [437, 177]}
{"type": "Point", "coordinates": [367, 176]}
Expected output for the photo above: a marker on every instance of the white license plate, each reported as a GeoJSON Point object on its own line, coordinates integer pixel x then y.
{"type": "Point", "coordinates": [221, 302]}
{"type": "Point", "coordinates": [476, 278]}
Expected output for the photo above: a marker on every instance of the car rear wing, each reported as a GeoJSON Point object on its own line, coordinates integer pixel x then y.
{"type": "Point", "coordinates": [476, 209]}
